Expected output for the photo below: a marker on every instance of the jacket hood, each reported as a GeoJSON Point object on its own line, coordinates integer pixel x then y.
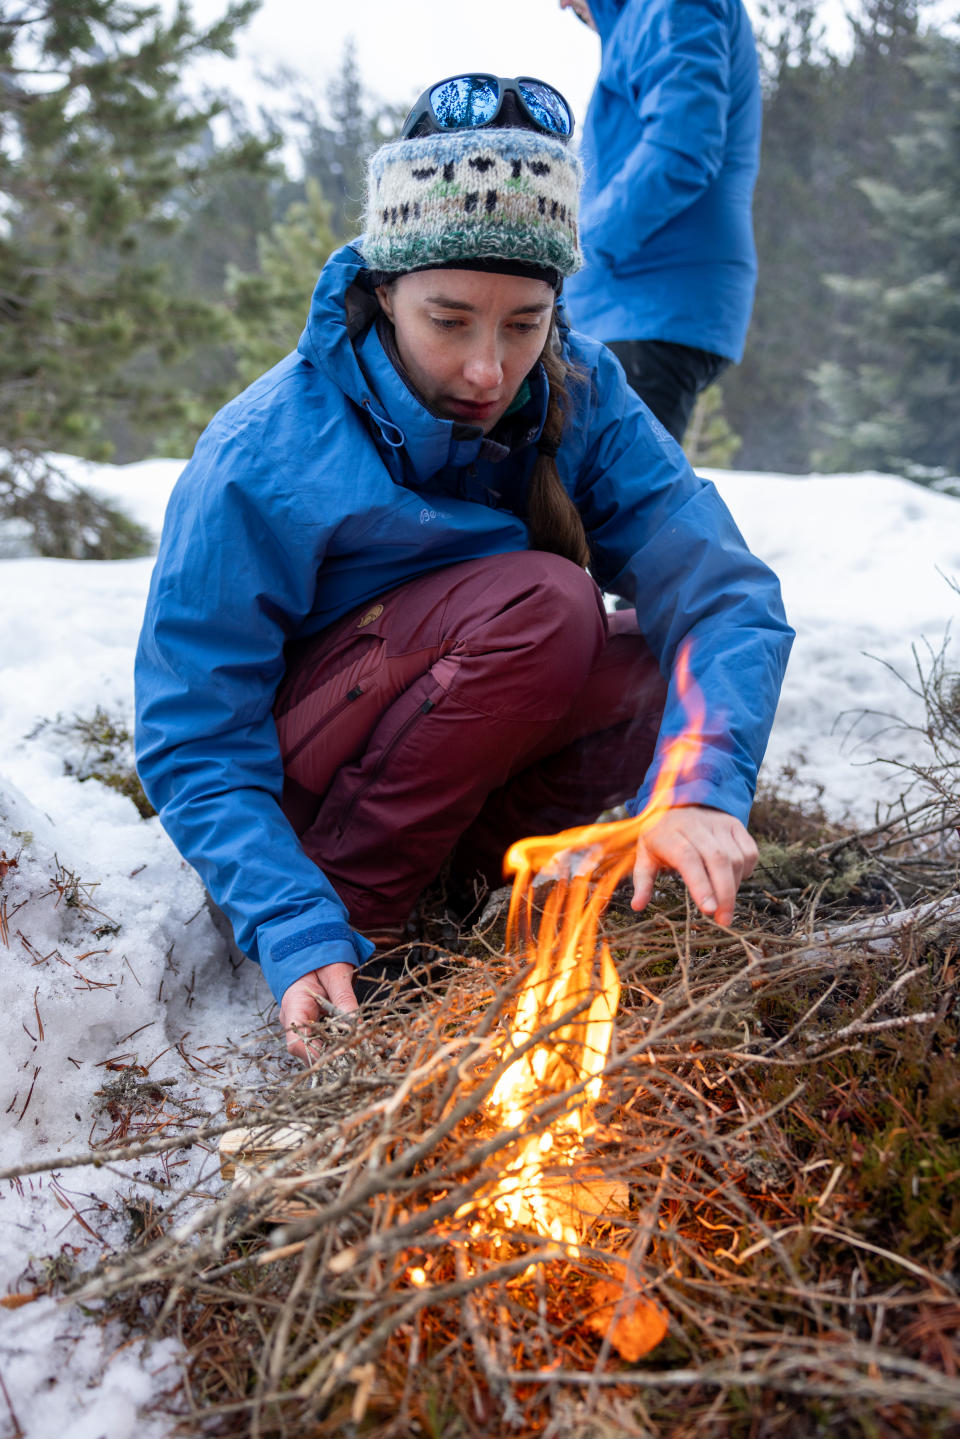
{"type": "Point", "coordinates": [341, 339]}
{"type": "Point", "coordinates": [606, 13]}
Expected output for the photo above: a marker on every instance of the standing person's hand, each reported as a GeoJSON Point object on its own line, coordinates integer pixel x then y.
{"type": "Point", "coordinates": [581, 9]}
{"type": "Point", "coordinates": [305, 999]}
{"type": "Point", "coordinates": [710, 850]}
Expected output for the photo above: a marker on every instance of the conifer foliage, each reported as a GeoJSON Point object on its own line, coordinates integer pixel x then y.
{"type": "Point", "coordinates": [270, 304]}
{"type": "Point", "coordinates": [96, 140]}
{"type": "Point", "coordinates": [852, 359]}
{"type": "Point", "coordinates": [895, 405]}
{"type": "Point", "coordinates": [319, 211]}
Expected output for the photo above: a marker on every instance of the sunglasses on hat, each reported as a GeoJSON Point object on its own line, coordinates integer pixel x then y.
{"type": "Point", "coordinates": [468, 102]}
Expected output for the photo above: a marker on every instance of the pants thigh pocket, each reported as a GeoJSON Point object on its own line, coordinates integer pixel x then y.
{"type": "Point", "coordinates": [332, 719]}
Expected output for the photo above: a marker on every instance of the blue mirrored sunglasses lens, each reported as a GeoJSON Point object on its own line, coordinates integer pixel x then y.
{"type": "Point", "coordinates": [458, 104]}
{"type": "Point", "coordinates": [546, 107]}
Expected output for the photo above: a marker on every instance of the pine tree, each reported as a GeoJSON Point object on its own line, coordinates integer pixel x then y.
{"type": "Point", "coordinates": [896, 406]}
{"type": "Point", "coordinates": [709, 440]}
{"type": "Point", "coordinates": [335, 149]}
{"type": "Point", "coordinates": [270, 305]}
{"type": "Point", "coordinates": [767, 399]}
{"type": "Point", "coordinates": [219, 228]}
{"type": "Point", "coordinates": [828, 124]}
{"type": "Point", "coordinates": [96, 140]}
{"type": "Point", "coordinates": [269, 252]}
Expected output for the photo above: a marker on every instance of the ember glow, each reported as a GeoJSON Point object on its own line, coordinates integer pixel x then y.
{"type": "Point", "coordinates": [571, 997]}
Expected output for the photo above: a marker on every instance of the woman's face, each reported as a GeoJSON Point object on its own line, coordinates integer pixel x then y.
{"type": "Point", "coordinates": [468, 338]}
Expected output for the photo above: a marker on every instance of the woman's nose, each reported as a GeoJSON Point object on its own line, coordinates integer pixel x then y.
{"type": "Point", "coordinates": [483, 368]}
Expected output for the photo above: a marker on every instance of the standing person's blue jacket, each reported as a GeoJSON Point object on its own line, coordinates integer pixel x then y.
{"type": "Point", "coordinates": [327, 483]}
{"type": "Point", "coordinates": [671, 149]}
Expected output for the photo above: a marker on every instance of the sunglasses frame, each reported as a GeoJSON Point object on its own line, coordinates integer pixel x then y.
{"type": "Point", "coordinates": [422, 118]}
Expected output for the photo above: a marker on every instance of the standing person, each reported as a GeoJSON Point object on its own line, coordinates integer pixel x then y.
{"type": "Point", "coordinates": [371, 640]}
{"type": "Point", "coordinates": [671, 148]}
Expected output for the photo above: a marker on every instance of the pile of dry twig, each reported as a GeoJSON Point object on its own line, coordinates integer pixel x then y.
{"type": "Point", "coordinates": [779, 1102]}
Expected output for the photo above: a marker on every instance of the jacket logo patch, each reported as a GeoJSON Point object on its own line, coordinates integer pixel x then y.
{"type": "Point", "coordinates": [426, 516]}
{"type": "Point", "coordinates": [373, 613]}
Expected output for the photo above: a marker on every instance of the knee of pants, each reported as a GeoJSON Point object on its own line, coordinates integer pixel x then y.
{"type": "Point", "coordinates": [545, 628]}
{"type": "Point", "coordinates": [531, 642]}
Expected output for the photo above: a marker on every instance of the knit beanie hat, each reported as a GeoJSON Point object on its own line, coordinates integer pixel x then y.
{"type": "Point", "coordinates": [487, 195]}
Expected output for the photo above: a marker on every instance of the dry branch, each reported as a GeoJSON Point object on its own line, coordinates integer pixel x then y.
{"type": "Point", "coordinates": [883, 931]}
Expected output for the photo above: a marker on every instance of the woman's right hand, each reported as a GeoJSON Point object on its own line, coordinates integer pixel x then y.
{"type": "Point", "coordinates": [304, 1002]}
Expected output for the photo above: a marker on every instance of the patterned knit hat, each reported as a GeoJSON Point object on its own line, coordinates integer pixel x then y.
{"type": "Point", "coordinates": [488, 194]}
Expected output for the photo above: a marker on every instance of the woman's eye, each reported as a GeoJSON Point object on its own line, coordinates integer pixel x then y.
{"type": "Point", "coordinates": [444, 324]}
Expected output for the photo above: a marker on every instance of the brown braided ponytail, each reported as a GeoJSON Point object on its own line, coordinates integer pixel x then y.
{"type": "Point", "coordinates": [552, 518]}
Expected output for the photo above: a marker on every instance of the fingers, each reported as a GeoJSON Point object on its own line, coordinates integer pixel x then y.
{"type": "Point", "coordinates": [337, 980]}
{"type": "Point", "coordinates": [299, 1011]}
{"type": "Point", "coordinates": [712, 865]}
{"type": "Point", "coordinates": [710, 850]}
{"type": "Point", "coordinates": [644, 874]}
{"type": "Point", "coordinates": [667, 845]}
{"type": "Point", "coordinates": [706, 873]}
{"type": "Point", "coordinates": [730, 860]}
{"type": "Point", "coordinates": [311, 996]}
{"type": "Point", "coordinates": [749, 850]}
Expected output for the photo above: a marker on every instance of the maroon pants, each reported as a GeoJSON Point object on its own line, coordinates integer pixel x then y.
{"type": "Point", "coordinates": [484, 702]}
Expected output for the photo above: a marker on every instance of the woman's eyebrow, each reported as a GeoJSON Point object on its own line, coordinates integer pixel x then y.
{"type": "Point", "coordinates": [449, 304]}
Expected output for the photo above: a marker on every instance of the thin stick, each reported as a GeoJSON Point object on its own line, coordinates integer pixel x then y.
{"type": "Point", "coordinates": [98, 1158]}
{"type": "Point", "coordinates": [17, 1431]}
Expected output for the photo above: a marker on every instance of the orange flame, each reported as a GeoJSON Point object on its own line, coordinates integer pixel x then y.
{"type": "Point", "coordinates": [572, 993]}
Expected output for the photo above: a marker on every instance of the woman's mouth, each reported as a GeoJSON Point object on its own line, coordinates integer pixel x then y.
{"type": "Point", "coordinates": [472, 409]}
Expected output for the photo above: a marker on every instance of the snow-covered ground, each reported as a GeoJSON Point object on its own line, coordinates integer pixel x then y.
{"type": "Point", "coordinates": [109, 960]}
{"type": "Point", "coordinates": [866, 564]}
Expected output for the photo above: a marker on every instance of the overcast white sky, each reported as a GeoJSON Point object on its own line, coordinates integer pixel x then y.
{"type": "Point", "coordinates": [402, 48]}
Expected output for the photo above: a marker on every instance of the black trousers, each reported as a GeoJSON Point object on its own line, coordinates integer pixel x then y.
{"type": "Point", "coordinates": [668, 377]}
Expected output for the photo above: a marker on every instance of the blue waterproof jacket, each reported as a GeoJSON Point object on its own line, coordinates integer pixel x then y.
{"type": "Point", "coordinates": [326, 483]}
{"type": "Point", "coordinates": [670, 147]}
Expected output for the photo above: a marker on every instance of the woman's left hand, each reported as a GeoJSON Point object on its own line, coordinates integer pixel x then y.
{"type": "Point", "coordinates": [710, 850]}
{"type": "Point", "coordinates": [310, 997]}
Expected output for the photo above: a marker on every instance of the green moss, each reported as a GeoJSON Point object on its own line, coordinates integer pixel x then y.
{"type": "Point", "coordinates": [106, 756]}
{"type": "Point", "coordinates": [796, 866]}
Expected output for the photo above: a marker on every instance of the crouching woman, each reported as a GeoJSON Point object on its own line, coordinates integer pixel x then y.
{"type": "Point", "coordinates": [375, 641]}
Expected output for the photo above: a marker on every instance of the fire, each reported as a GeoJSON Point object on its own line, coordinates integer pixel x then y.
{"type": "Point", "coordinates": [571, 995]}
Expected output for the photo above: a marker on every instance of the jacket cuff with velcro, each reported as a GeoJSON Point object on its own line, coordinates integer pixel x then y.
{"type": "Point", "coordinates": [291, 951]}
{"type": "Point", "coordinates": [716, 784]}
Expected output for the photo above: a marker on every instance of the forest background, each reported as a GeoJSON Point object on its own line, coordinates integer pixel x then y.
{"type": "Point", "coordinates": [159, 242]}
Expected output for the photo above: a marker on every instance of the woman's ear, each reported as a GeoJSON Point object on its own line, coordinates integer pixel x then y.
{"type": "Point", "coordinates": [382, 293]}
